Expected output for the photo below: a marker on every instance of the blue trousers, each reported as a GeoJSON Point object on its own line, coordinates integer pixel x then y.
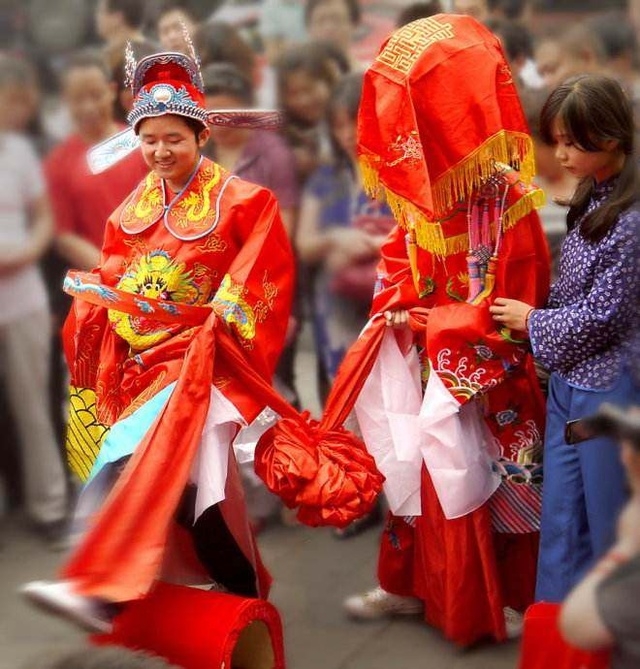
{"type": "Point", "coordinates": [584, 488]}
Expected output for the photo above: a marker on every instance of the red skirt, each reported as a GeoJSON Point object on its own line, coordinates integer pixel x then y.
{"type": "Point", "coordinates": [463, 571]}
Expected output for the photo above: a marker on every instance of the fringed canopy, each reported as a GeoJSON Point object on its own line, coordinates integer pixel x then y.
{"type": "Point", "coordinates": [439, 111]}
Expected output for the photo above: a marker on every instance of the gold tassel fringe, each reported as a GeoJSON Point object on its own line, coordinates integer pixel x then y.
{"type": "Point", "coordinates": [459, 181]}
{"type": "Point", "coordinates": [456, 185]}
{"type": "Point", "coordinates": [534, 199]}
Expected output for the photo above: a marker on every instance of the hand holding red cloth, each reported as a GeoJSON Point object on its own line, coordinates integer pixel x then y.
{"type": "Point", "coordinates": [346, 482]}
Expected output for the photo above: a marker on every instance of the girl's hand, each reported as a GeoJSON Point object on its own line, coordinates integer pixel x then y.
{"type": "Point", "coordinates": [349, 245]}
{"type": "Point", "coordinates": [511, 313]}
{"type": "Point", "coordinates": [396, 319]}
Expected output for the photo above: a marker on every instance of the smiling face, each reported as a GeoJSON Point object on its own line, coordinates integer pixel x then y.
{"type": "Point", "coordinates": [170, 148]}
{"type": "Point", "coordinates": [599, 165]}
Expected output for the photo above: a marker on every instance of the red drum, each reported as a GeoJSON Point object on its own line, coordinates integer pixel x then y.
{"type": "Point", "coordinates": [201, 629]}
{"type": "Point", "coordinates": [544, 648]}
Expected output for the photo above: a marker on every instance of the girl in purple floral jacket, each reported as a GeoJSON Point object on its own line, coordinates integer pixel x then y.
{"type": "Point", "coordinates": [585, 335]}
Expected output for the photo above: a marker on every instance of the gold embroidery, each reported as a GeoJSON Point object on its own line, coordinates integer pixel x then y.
{"type": "Point", "coordinates": [221, 382]}
{"type": "Point", "coordinates": [153, 389]}
{"type": "Point", "coordinates": [110, 394]}
{"type": "Point", "coordinates": [196, 205]}
{"type": "Point", "coordinates": [270, 290]}
{"type": "Point", "coordinates": [214, 243]}
{"type": "Point", "coordinates": [85, 433]}
{"type": "Point", "coordinates": [261, 310]}
{"type": "Point", "coordinates": [263, 307]}
{"type": "Point", "coordinates": [409, 147]}
{"type": "Point", "coordinates": [454, 186]}
{"type": "Point", "coordinates": [150, 200]}
{"type": "Point", "coordinates": [136, 244]}
{"type": "Point", "coordinates": [203, 277]}
{"type": "Point", "coordinates": [406, 46]}
{"type": "Point", "coordinates": [230, 305]}
{"type": "Point", "coordinates": [158, 276]}
{"type": "Point", "coordinates": [505, 77]}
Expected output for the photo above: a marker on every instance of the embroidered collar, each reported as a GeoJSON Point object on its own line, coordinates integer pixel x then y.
{"type": "Point", "coordinates": [193, 212]}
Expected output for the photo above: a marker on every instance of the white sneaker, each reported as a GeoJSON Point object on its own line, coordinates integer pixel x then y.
{"type": "Point", "coordinates": [58, 597]}
{"type": "Point", "coordinates": [379, 603]}
{"type": "Point", "coordinates": [513, 622]}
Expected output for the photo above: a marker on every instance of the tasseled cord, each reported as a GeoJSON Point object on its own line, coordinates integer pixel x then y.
{"type": "Point", "coordinates": [490, 274]}
{"type": "Point", "coordinates": [412, 254]}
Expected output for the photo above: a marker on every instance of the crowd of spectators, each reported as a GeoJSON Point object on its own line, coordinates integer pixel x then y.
{"type": "Point", "coordinates": [60, 96]}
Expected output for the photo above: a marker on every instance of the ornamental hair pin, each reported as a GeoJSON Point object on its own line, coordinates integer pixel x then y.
{"type": "Point", "coordinates": [192, 51]}
{"type": "Point", "coordinates": [130, 65]}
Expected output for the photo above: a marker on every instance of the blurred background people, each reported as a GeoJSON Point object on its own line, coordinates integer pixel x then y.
{"type": "Point", "coordinates": [305, 79]}
{"type": "Point", "coordinates": [511, 10]}
{"type": "Point", "coordinates": [22, 100]}
{"type": "Point", "coordinates": [334, 21]}
{"type": "Point", "coordinates": [478, 9]}
{"type": "Point", "coordinates": [517, 42]}
{"type": "Point", "coordinates": [418, 10]}
{"type": "Point", "coordinates": [124, 97]}
{"type": "Point", "coordinates": [174, 22]}
{"type": "Point", "coordinates": [561, 55]}
{"type": "Point", "coordinates": [499, 10]}
{"type": "Point", "coordinates": [220, 42]}
{"type": "Point", "coordinates": [281, 25]}
{"type": "Point", "coordinates": [340, 229]}
{"type": "Point", "coordinates": [620, 50]}
{"type": "Point", "coordinates": [82, 201]}
{"type": "Point", "coordinates": [259, 156]}
{"type": "Point", "coordinates": [25, 322]}
{"type": "Point", "coordinates": [118, 22]}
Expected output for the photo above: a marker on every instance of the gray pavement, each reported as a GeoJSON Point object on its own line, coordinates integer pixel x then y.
{"type": "Point", "coordinates": [312, 573]}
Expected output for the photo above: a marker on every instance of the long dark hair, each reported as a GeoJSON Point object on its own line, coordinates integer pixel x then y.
{"type": "Point", "coordinates": [313, 59]}
{"type": "Point", "coordinates": [346, 95]}
{"type": "Point", "coordinates": [594, 109]}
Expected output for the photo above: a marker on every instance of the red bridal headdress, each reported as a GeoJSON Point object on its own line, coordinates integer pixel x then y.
{"type": "Point", "coordinates": [167, 83]}
{"type": "Point", "coordinates": [439, 111]}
